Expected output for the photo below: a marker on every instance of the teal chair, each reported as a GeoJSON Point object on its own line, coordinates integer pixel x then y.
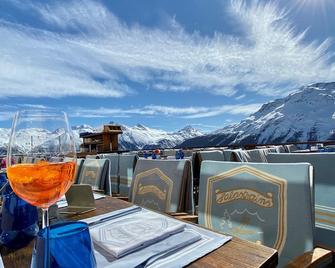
{"type": "Point", "coordinates": [95, 172]}
{"type": "Point", "coordinates": [126, 170]}
{"type": "Point", "coordinates": [163, 185]}
{"type": "Point", "coordinates": [270, 204]}
{"type": "Point", "coordinates": [114, 171]}
{"type": "Point", "coordinates": [324, 178]}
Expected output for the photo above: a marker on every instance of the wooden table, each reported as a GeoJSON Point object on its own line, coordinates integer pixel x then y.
{"type": "Point", "coordinates": [236, 253]}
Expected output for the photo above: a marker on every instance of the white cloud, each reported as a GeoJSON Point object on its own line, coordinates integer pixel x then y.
{"type": "Point", "coordinates": [156, 110]}
{"type": "Point", "coordinates": [5, 116]}
{"type": "Point", "coordinates": [94, 54]}
{"type": "Point", "coordinates": [227, 109]}
{"type": "Point", "coordinates": [192, 112]}
{"type": "Point", "coordinates": [33, 106]}
{"type": "Point", "coordinates": [240, 97]}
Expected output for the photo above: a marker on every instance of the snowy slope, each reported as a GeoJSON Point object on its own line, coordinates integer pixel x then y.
{"type": "Point", "coordinates": [301, 116]}
{"type": "Point", "coordinates": [140, 136]}
{"type": "Point", "coordinates": [133, 138]}
{"type": "Point", "coordinates": [23, 139]}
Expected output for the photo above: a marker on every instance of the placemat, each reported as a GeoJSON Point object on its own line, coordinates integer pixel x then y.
{"type": "Point", "coordinates": [203, 242]}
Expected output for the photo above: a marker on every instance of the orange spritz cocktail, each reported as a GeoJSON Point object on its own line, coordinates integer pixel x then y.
{"type": "Point", "coordinates": [43, 183]}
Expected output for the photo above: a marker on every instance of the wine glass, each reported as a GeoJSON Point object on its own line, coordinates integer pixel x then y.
{"type": "Point", "coordinates": [38, 137]}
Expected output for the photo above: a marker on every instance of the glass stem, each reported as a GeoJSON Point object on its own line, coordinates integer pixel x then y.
{"type": "Point", "coordinates": [45, 218]}
{"type": "Point", "coordinates": [45, 225]}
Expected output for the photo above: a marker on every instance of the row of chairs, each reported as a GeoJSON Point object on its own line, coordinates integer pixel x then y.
{"type": "Point", "coordinates": [163, 185]}
{"type": "Point", "coordinates": [272, 203]}
{"type": "Point", "coordinates": [269, 203]}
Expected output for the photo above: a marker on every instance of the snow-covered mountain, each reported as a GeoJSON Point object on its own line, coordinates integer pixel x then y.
{"type": "Point", "coordinates": [304, 115]}
{"type": "Point", "coordinates": [139, 136]}
{"type": "Point", "coordinates": [45, 140]}
{"type": "Point", "coordinates": [133, 138]}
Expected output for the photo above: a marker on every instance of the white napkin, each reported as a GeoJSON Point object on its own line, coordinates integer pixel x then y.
{"type": "Point", "coordinates": [128, 235]}
{"type": "Point", "coordinates": [62, 203]}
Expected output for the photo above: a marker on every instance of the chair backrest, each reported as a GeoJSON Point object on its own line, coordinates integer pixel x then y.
{"type": "Point", "coordinates": [91, 156]}
{"type": "Point", "coordinates": [290, 148]}
{"type": "Point", "coordinates": [255, 155]}
{"type": "Point", "coordinates": [95, 172]}
{"type": "Point", "coordinates": [163, 185]}
{"type": "Point", "coordinates": [214, 155]}
{"type": "Point", "coordinates": [188, 153]}
{"type": "Point", "coordinates": [38, 159]}
{"type": "Point", "coordinates": [17, 159]}
{"type": "Point", "coordinates": [274, 150]}
{"type": "Point", "coordinates": [126, 170]}
{"type": "Point", "coordinates": [169, 152]}
{"type": "Point", "coordinates": [324, 178]}
{"type": "Point", "coordinates": [271, 204]}
{"type": "Point", "coordinates": [113, 171]}
{"type": "Point", "coordinates": [28, 159]}
{"type": "Point", "coordinates": [280, 148]}
{"type": "Point", "coordinates": [80, 162]}
{"type": "Point", "coordinates": [55, 159]}
{"type": "Point", "coordinates": [228, 155]}
{"type": "Point", "coordinates": [199, 156]}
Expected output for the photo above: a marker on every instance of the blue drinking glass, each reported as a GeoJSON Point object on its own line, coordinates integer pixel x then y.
{"type": "Point", "coordinates": [19, 220]}
{"type": "Point", "coordinates": [177, 155]}
{"type": "Point", "coordinates": [70, 246]}
{"type": "Point", "coordinates": [3, 179]}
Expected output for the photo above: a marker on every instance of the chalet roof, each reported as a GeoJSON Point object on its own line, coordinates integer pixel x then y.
{"type": "Point", "coordinates": [112, 129]}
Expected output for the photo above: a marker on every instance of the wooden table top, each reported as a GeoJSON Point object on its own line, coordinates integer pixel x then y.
{"type": "Point", "coordinates": [235, 253]}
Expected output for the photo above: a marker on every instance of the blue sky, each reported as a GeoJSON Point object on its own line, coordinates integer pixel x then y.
{"type": "Point", "coordinates": [165, 64]}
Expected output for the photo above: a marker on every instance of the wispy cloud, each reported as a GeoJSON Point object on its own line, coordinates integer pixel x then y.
{"type": "Point", "coordinates": [32, 106]}
{"type": "Point", "coordinates": [240, 97]}
{"type": "Point", "coordinates": [90, 52]}
{"type": "Point", "coordinates": [155, 110]}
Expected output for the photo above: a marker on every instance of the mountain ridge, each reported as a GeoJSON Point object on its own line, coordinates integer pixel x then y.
{"type": "Point", "coordinates": [304, 115]}
{"type": "Point", "coordinates": [133, 138]}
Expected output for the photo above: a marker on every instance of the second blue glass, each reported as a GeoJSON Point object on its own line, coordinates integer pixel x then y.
{"type": "Point", "coordinates": [19, 220]}
{"type": "Point", "coordinates": [70, 246]}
